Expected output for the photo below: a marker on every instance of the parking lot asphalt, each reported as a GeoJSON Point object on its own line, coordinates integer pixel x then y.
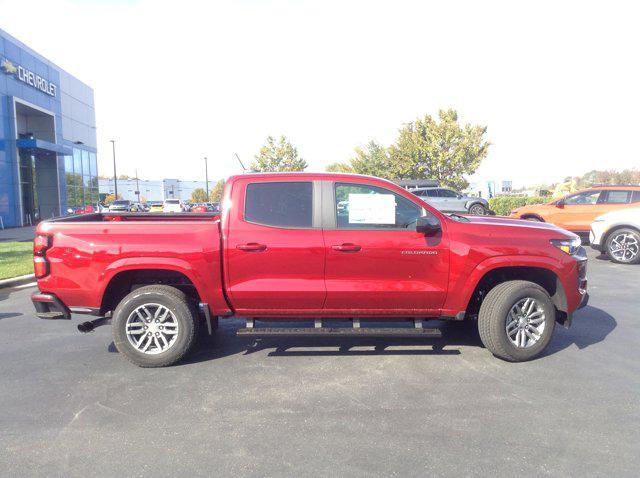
{"type": "Point", "coordinates": [71, 406]}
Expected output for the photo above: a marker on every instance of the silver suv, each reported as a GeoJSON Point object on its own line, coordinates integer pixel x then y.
{"type": "Point", "coordinates": [447, 200]}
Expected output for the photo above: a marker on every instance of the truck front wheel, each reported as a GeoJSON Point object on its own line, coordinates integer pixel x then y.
{"type": "Point", "coordinates": [516, 320]}
{"type": "Point", "coordinates": [155, 326]}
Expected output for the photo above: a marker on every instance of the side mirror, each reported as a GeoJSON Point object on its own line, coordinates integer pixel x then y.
{"type": "Point", "coordinates": [560, 203]}
{"type": "Point", "coordinates": [459, 196]}
{"type": "Point", "coordinates": [428, 225]}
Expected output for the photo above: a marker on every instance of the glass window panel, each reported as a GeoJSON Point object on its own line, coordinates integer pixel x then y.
{"type": "Point", "coordinates": [77, 161]}
{"type": "Point", "coordinates": [71, 195]}
{"type": "Point", "coordinates": [387, 209]}
{"type": "Point", "coordinates": [79, 196]}
{"type": "Point", "coordinates": [86, 170]}
{"type": "Point", "coordinates": [618, 197]}
{"type": "Point", "coordinates": [93, 164]}
{"type": "Point", "coordinates": [587, 197]}
{"type": "Point", "coordinates": [68, 164]}
{"type": "Point", "coordinates": [284, 204]}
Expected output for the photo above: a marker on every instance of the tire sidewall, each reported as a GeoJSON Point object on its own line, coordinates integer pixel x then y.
{"type": "Point", "coordinates": [499, 323]}
{"type": "Point", "coordinates": [610, 240]}
{"type": "Point", "coordinates": [178, 307]}
{"type": "Point", "coordinates": [480, 207]}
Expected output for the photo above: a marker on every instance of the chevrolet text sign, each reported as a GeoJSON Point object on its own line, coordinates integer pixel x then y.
{"type": "Point", "coordinates": [28, 77]}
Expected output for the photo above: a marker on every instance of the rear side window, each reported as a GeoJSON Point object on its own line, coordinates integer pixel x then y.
{"type": "Point", "coordinates": [618, 197]}
{"type": "Point", "coordinates": [280, 204]}
{"type": "Point", "coordinates": [447, 193]}
{"type": "Point", "coordinates": [636, 196]}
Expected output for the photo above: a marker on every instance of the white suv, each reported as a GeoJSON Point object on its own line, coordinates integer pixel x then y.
{"type": "Point", "coordinates": [617, 233]}
{"type": "Point", "coordinates": [173, 205]}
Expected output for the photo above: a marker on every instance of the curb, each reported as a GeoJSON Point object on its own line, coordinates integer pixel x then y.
{"type": "Point", "coordinates": [14, 281]}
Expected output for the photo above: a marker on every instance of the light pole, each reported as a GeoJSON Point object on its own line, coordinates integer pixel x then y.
{"type": "Point", "coordinates": [137, 187]}
{"type": "Point", "coordinates": [206, 176]}
{"type": "Point", "coordinates": [115, 177]}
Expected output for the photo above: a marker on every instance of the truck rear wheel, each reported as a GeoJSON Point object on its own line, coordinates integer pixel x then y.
{"type": "Point", "coordinates": [516, 320]}
{"type": "Point", "coordinates": [155, 326]}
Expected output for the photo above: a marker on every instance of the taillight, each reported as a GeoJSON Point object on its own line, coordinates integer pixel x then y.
{"type": "Point", "coordinates": [40, 244]}
{"type": "Point", "coordinates": [40, 267]}
{"type": "Point", "coordinates": [40, 263]}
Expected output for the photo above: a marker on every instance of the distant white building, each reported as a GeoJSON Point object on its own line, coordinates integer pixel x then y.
{"type": "Point", "coordinates": [489, 188]}
{"type": "Point", "coordinates": [154, 190]}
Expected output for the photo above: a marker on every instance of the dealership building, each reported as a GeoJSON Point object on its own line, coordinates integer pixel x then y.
{"type": "Point", "coordinates": [47, 137]}
{"type": "Point", "coordinates": [143, 190]}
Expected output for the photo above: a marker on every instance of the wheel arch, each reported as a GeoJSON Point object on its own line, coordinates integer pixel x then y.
{"type": "Point", "coordinates": [472, 202]}
{"type": "Point", "coordinates": [546, 278]}
{"type": "Point", "coordinates": [531, 215]}
{"type": "Point", "coordinates": [125, 281]}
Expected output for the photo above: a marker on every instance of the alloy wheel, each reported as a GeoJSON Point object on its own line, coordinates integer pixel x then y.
{"type": "Point", "coordinates": [624, 247]}
{"type": "Point", "coordinates": [152, 329]}
{"type": "Point", "coordinates": [525, 323]}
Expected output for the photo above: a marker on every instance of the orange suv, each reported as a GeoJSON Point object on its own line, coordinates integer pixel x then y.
{"type": "Point", "coordinates": [575, 212]}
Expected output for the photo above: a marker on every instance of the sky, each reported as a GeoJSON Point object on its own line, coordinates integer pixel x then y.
{"type": "Point", "coordinates": [556, 83]}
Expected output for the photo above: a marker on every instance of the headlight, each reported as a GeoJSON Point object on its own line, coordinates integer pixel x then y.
{"type": "Point", "coordinates": [570, 246]}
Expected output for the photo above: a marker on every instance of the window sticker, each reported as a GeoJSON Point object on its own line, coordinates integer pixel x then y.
{"type": "Point", "coordinates": [372, 209]}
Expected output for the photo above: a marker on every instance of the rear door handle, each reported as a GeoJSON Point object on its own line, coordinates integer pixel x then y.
{"type": "Point", "coordinates": [347, 247]}
{"type": "Point", "coordinates": [251, 247]}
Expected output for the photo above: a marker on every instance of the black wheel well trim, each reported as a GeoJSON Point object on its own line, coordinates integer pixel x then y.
{"type": "Point", "coordinates": [531, 214]}
{"type": "Point", "coordinates": [545, 278]}
{"type": "Point", "coordinates": [126, 281]}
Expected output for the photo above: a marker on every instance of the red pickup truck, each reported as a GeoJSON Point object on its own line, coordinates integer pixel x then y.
{"type": "Point", "coordinates": [309, 247]}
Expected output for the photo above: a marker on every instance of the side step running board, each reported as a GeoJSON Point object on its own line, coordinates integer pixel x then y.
{"type": "Point", "coordinates": [339, 332]}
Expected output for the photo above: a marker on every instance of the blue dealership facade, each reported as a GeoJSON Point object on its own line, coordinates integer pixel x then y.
{"type": "Point", "coordinates": [47, 138]}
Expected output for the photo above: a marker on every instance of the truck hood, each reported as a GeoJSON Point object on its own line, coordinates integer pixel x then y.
{"type": "Point", "coordinates": [497, 221]}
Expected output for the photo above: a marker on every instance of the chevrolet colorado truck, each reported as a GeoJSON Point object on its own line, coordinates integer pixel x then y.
{"type": "Point", "coordinates": [306, 248]}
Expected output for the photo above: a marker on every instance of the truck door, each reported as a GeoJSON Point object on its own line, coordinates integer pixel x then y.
{"type": "Point", "coordinates": [274, 248]}
{"type": "Point", "coordinates": [376, 261]}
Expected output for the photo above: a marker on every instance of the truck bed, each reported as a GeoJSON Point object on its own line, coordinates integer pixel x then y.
{"type": "Point", "coordinates": [89, 252]}
{"type": "Point", "coordinates": [137, 217]}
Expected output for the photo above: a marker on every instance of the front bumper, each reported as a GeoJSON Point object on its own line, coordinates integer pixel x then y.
{"type": "Point", "coordinates": [49, 307]}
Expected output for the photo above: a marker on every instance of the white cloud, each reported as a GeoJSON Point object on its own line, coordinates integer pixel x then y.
{"type": "Point", "coordinates": [555, 82]}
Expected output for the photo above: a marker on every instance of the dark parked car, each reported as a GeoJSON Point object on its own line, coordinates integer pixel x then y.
{"type": "Point", "coordinates": [447, 200]}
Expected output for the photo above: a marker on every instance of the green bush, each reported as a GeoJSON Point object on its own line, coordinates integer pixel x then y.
{"type": "Point", "coordinates": [503, 205]}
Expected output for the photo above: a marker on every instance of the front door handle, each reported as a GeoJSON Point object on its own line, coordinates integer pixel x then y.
{"type": "Point", "coordinates": [251, 247]}
{"type": "Point", "coordinates": [347, 247]}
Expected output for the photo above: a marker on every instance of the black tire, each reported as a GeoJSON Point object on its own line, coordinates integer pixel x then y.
{"type": "Point", "coordinates": [478, 210]}
{"type": "Point", "coordinates": [178, 304]}
{"type": "Point", "coordinates": [494, 312]}
{"type": "Point", "coordinates": [615, 235]}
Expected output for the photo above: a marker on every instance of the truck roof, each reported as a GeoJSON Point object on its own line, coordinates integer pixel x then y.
{"type": "Point", "coordinates": [308, 176]}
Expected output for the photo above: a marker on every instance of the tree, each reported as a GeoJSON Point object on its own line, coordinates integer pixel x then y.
{"type": "Point", "coordinates": [198, 195]}
{"type": "Point", "coordinates": [373, 160]}
{"type": "Point", "coordinates": [339, 168]}
{"type": "Point", "coordinates": [110, 198]}
{"type": "Point", "coordinates": [215, 195]}
{"type": "Point", "coordinates": [278, 157]}
{"type": "Point", "coordinates": [441, 150]}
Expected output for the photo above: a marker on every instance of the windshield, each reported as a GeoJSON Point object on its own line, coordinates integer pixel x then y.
{"type": "Point", "coordinates": [172, 201]}
{"type": "Point", "coordinates": [120, 203]}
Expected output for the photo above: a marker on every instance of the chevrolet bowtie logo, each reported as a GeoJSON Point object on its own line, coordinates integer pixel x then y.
{"type": "Point", "coordinates": [8, 67]}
